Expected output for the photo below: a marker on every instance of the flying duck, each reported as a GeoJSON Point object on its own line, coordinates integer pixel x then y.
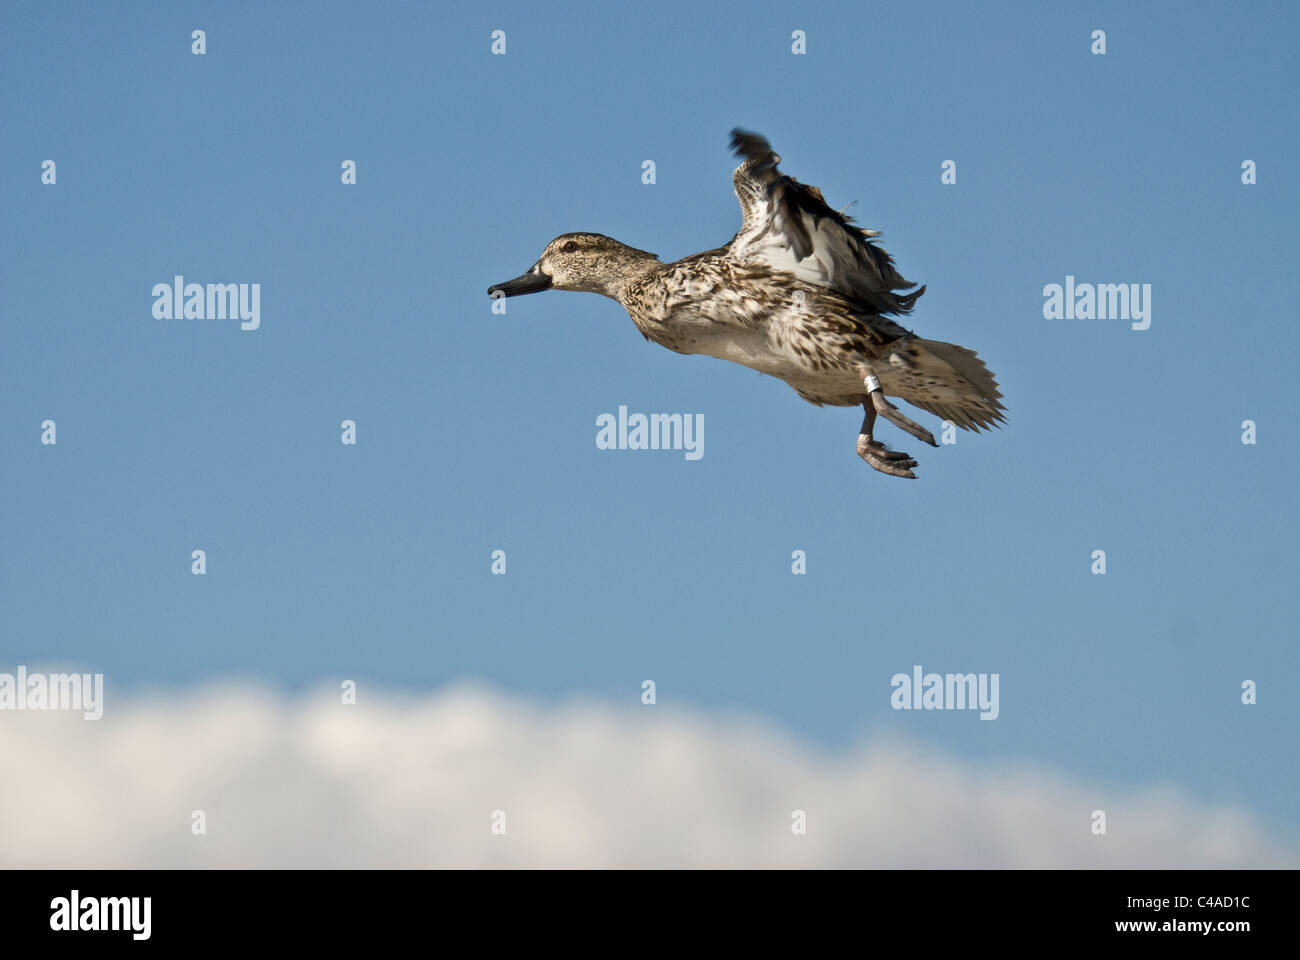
{"type": "Point", "coordinates": [800, 293]}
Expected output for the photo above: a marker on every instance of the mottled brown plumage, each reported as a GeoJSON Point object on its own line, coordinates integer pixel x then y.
{"type": "Point", "coordinates": [799, 293]}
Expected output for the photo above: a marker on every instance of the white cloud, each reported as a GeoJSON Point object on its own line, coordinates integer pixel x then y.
{"type": "Point", "coordinates": [306, 781]}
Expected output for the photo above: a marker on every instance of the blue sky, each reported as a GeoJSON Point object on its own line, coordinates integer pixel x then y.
{"type": "Point", "coordinates": [477, 432]}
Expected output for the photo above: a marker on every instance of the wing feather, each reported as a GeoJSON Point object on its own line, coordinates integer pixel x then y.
{"type": "Point", "coordinates": [788, 226]}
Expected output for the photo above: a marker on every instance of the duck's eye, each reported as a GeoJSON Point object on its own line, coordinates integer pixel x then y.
{"type": "Point", "coordinates": [571, 246]}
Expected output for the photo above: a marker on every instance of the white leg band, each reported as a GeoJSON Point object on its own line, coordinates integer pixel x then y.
{"type": "Point", "coordinates": [872, 383]}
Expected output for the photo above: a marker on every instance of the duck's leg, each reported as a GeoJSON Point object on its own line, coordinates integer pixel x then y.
{"type": "Point", "coordinates": [891, 412]}
{"type": "Point", "coordinates": [886, 461]}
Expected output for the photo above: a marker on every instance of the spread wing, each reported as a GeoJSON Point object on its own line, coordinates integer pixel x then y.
{"type": "Point", "coordinates": [788, 226]}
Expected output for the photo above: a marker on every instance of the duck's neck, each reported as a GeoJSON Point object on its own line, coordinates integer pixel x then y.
{"type": "Point", "coordinates": [633, 265]}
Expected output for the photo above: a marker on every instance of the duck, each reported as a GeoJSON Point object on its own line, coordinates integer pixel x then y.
{"type": "Point", "coordinates": [800, 293]}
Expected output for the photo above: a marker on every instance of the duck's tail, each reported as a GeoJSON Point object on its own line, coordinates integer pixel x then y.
{"type": "Point", "coordinates": [952, 382]}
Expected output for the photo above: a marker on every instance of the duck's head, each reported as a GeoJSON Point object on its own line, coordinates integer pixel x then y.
{"type": "Point", "coordinates": [591, 262]}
